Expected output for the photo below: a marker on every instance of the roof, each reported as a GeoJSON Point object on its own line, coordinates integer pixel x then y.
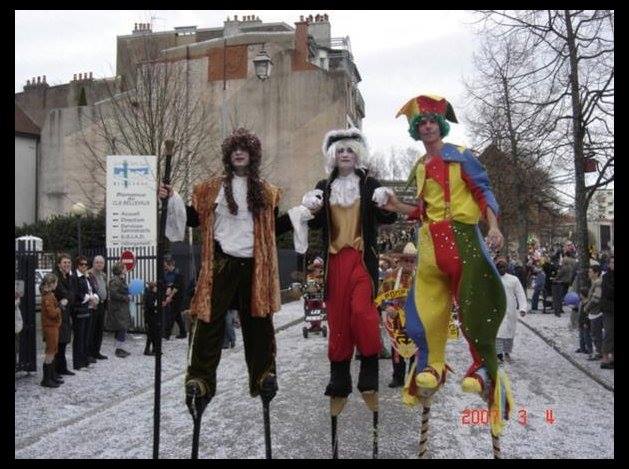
{"type": "Point", "coordinates": [24, 124]}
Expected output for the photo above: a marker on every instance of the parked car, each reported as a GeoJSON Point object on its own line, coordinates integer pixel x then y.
{"type": "Point", "coordinates": [39, 276]}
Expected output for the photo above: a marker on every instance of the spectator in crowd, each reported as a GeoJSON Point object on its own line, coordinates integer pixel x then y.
{"type": "Point", "coordinates": [563, 279]}
{"type": "Point", "coordinates": [516, 301]}
{"type": "Point", "coordinates": [85, 301]}
{"type": "Point", "coordinates": [150, 317]}
{"type": "Point", "coordinates": [550, 271]}
{"type": "Point", "coordinates": [97, 324]}
{"type": "Point", "coordinates": [65, 296]}
{"type": "Point", "coordinates": [51, 322]}
{"type": "Point", "coordinates": [538, 288]}
{"type": "Point", "coordinates": [119, 317]}
{"type": "Point", "coordinates": [607, 308]}
{"type": "Point", "coordinates": [585, 339]}
{"type": "Point", "coordinates": [173, 302]}
{"type": "Point", "coordinates": [593, 310]}
{"type": "Point", "coordinates": [19, 324]}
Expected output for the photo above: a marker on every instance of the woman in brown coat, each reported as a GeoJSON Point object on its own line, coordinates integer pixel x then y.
{"type": "Point", "coordinates": [51, 322]}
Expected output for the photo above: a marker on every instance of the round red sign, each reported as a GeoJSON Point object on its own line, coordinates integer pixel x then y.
{"type": "Point", "coordinates": [128, 259]}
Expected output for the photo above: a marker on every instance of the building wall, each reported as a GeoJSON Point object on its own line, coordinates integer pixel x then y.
{"type": "Point", "coordinates": [25, 179]}
{"type": "Point", "coordinates": [291, 112]}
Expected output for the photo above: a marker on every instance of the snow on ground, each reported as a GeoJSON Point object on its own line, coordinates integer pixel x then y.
{"type": "Point", "coordinates": [107, 412]}
{"type": "Point", "coordinates": [558, 332]}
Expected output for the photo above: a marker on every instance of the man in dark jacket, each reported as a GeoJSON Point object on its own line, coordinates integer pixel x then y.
{"type": "Point", "coordinates": [349, 219]}
{"type": "Point", "coordinates": [564, 278]}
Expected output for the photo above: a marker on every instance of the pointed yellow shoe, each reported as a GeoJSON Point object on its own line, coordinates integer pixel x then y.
{"type": "Point", "coordinates": [471, 384]}
{"type": "Point", "coordinates": [427, 379]}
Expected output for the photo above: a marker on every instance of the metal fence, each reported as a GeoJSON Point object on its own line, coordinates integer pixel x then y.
{"type": "Point", "coordinates": [145, 268]}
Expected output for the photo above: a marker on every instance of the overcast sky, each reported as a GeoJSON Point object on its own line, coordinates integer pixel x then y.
{"type": "Point", "coordinates": [399, 54]}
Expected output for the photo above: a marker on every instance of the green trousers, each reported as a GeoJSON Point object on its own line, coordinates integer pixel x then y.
{"type": "Point", "coordinates": [231, 288]}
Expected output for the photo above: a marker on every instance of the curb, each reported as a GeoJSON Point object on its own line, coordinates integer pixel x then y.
{"type": "Point", "coordinates": [568, 357]}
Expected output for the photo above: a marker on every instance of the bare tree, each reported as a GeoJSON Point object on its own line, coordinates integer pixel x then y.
{"type": "Point", "coordinates": [575, 58]}
{"type": "Point", "coordinates": [142, 110]}
{"type": "Point", "coordinates": [524, 135]}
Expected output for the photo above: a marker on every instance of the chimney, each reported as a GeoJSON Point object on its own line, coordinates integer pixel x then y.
{"type": "Point", "coordinates": [74, 79]}
{"type": "Point", "coordinates": [90, 76]}
{"type": "Point", "coordinates": [38, 80]}
{"type": "Point", "coordinates": [235, 17]}
{"type": "Point", "coordinates": [28, 83]}
{"type": "Point", "coordinates": [300, 54]}
{"type": "Point", "coordinates": [320, 31]}
{"type": "Point", "coordinates": [44, 79]}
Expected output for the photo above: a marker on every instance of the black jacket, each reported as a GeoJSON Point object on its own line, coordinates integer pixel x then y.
{"type": "Point", "coordinates": [64, 290]}
{"type": "Point", "coordinates": [80, 309]}
{"type": "Point", "coordinates": [371, 216]}
{"type": "Point", "coordinates": [607, 293]}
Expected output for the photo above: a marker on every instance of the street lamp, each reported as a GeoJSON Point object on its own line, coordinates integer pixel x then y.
{"type": "Point", "coordinates": [263, 65]}
{"type": "Point", "coordinates": [78, 209]}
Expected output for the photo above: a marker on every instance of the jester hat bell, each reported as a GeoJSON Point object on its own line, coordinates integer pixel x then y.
{"type": "Point", "coordinates": [427, 104]}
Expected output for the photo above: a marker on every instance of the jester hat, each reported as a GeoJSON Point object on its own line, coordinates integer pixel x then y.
{"type": "Point", "coordinates": [422, 105]}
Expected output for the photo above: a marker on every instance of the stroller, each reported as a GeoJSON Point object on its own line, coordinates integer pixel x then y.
{"type": "Point", "coordinates": [314, 308]}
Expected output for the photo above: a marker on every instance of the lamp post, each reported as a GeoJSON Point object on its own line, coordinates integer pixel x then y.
{"type": "Point", "coordinates": [78, 209]}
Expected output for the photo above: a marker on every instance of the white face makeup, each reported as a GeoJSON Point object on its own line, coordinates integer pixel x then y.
{"type": "Point", "coordinates": [345, 158]}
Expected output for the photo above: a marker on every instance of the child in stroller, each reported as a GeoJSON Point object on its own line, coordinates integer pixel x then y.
{"type": "Point", "coordinates": [314, 306]}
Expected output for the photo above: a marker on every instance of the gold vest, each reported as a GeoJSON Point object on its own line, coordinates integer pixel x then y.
{"type": "Point", "coordinates": [265, 282]}
{"type": "Point", "coordinates": [345, 227]}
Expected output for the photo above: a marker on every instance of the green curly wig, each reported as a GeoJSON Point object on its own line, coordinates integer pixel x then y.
{"type": "Point", "coordinates": [444, 126]}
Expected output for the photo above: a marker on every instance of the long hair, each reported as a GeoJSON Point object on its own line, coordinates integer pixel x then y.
{"type": "Point", "coordinates": [244, 140]}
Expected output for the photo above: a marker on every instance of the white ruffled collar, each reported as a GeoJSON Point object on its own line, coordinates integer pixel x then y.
{"type": "Point", "coordinates": [345, 190]}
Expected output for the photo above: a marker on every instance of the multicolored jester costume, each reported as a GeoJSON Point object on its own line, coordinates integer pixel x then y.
{"type": "Point", "coordinates": [453, 265]}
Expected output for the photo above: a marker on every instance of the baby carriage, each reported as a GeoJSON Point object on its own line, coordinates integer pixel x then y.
{"type": "Point", "coordinates": [314, 308]}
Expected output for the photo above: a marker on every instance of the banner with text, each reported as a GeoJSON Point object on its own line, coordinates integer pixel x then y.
{"type": "Point", "coordinates": [131, 200]}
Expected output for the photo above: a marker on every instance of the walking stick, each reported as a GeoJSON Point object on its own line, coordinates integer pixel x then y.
{"type": "Point", "coordinates": [169, 144]}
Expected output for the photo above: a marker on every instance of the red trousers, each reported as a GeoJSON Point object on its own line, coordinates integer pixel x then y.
{"type": "Point", "coordinates": [352, 314]}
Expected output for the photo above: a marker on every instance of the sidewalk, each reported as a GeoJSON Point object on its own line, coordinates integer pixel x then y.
{"type": "Point", "coordinates": [558, 334]}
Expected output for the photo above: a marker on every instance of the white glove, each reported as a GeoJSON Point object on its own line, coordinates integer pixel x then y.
{"type": "Point", "coordinates": [313, 200]}
{"type": "Point", "coordinates": [381, 196]}
{"type": "Point", "coordinates": [63, 302]}
{"type": "Point", "coordinates": [176, 219]}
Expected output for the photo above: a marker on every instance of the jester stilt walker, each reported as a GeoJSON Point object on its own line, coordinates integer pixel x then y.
{"type": "Point", "coordinates": [453, 265]}
{"type": "Point", "coordinates": [349, 211]}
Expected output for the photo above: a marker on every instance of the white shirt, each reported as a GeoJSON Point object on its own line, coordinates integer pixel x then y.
{"type": "Point", "coordinates": [234, 232]}
{"type": "Point", "coordinates": [516, 301]}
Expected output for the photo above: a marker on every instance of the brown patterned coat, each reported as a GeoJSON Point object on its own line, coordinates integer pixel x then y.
{"type": "Point", "coordinates": [265, 292]}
